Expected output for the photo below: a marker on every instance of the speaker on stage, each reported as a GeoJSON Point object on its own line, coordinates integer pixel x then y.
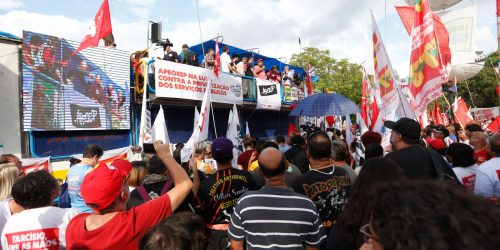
{"type": "Point", "coordinates": [155, 32]}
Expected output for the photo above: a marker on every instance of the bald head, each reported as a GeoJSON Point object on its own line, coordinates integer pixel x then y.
{"type": "Point", "coordinates": [495, 144]}
{"type": "Point", "coordinates": [272, 163]}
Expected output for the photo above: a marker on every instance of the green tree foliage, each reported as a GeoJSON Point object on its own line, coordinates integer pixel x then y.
{"type": "Point", "coordinates": [339, 76]}
{"type": "Point", "coordinates": [482, 86]}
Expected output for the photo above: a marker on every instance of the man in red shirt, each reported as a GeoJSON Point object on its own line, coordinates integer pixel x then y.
{"type": "Point", "coordinates": [244, 157]}
{"type": "Point", "coordinates": [105, 190]}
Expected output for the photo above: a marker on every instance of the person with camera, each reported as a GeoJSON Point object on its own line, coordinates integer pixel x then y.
{"type": "Point", "coordinates": [169, 54]}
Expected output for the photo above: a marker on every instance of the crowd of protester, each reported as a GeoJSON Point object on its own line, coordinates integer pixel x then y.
{"type": "Point", "coordinates": [304, 191]}
{"type": "Point", "coordinates": [233, 64]}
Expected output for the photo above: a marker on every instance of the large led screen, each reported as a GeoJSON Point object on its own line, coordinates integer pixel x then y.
{"type": "Point", "coordinates": [63, 90]}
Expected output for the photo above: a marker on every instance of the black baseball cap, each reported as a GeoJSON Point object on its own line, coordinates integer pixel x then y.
{"type": "Point", "coordinates": [407, 127]}
{"type": "Point", "coordinates": [441, 129]}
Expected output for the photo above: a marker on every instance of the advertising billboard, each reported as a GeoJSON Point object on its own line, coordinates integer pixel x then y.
{"type": "Point", "coordinates": [63, 90]}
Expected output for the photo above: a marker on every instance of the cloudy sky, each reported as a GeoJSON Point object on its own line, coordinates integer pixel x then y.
{"type": "Point", "coordinates": [273, 26]}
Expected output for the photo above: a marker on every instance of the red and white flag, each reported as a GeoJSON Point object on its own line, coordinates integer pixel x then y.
{"type": "Point", "coordinates": [308, 86]}
{"type": "Point", "coordinates": [98, 30]}
{"type": "Point", "coordinates": [407, 14]}
{"type": "Point", "coordinates": [34, 164]}
{"type": "Point", "coordinates": [426, 74]}
{"type": "Point", "coordinates": [461, 111]}
{"type": "Point", "coordinates": [384, 75]}
{"type": "Point", "coordinates": [217, 58]}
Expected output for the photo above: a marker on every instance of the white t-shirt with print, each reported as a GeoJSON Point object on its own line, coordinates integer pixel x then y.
{"type": "Point", "coordinates": [4, 213]}
{"type": "Point", "coordinates": [37, 228]}
{"type": "Point", "coordinates": [467, 176]}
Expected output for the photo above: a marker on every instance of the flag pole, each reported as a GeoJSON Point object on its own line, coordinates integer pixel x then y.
{"type": "Point", "coordinates": [468, 90]}
{"type": "Point", "coordinates": [199, 26]}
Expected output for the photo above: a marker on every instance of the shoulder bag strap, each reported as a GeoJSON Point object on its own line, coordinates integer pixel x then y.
{"type": "Point", "coordinates": [143, 193]}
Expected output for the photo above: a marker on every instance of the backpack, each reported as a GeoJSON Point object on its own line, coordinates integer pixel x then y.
{"type": "Point", "coordinates": [191, 58]}
{"type": "Point", "coordinates": [441, 171]}
{"type": "Point", "coordinates": [64, 200]}
{"type": "Point", "coordinates": [147, 196]}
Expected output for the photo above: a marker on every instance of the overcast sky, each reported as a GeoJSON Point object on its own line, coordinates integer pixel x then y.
{"type": "Point", "coordinates": [273, 26]}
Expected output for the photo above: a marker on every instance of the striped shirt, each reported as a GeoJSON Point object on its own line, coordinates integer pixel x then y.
{"type": "Point", "coordinates": [276, 218]}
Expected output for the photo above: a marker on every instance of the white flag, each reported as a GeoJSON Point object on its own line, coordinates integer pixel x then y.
{"type": "Point", "coordinates": [200, 132]}
{"type": "Point", "coordinates": [196, 117]}
{"type": "Point", "coordinates": [144, 116]}
{"type": "Point", "coordinates": [233, 126]}
{"type": "Point", "coordinates": [348, 132]}
{"type": "Point", "coordinates": [247, 130]}
{"type": "Point", "coordinates": [233, 132]}
{"type": "Point", "coordinates": [404, 109]}
{"type": "Point", "coordinates": [159, 131]}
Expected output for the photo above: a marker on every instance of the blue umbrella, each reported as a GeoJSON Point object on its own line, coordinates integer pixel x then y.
{"type": "Point", "coordinates": [325, 104]}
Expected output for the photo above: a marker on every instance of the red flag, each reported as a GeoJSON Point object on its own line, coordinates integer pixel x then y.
{"type": "Point", "coordinates": [100, 28]}
{"type": "Point", "coordinates": [425, 66]}
{"type": "Point", "coordinates": [292, 129]}
{"type": "Point", "coordinates": [308, 80]}
{"type": "Point", "coordinates": [498, 8]}
{"type": "Point", "coordinates": [436, 114]}
{"type": "Point", "coordinates": [217, 58]}
{"type": "Point", "coordinates": [462, 114]}
{"type": "Point", "coordinates": [330, 120]}
{"type": "Point", "coordinates": [493, 127]}
{"type": "Point", "coordinates": [374, 111]}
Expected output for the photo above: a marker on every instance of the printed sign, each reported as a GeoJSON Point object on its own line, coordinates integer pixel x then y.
{"type": "Point", "coordinates": [175, 80]}
{"type": "Point", "coordinates": [85, 117]}
{"type": "Point", "coordinates": [268, 95]}
{"type": "Point", "coordinates": [47, 238]}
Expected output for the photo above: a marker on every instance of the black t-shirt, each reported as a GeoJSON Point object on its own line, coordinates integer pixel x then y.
{"type": "Point", "coordinates": [171, 56]}
{"type": "Point", "coordinates": [298, 157]}
{"type": "Point", "coordinates": [248, 71]}
{"type": "Point", "coordinates": [219, 193]}
{"type": "Point", "coordinates": [327, 188]}
{"type": "Point", "coordinates": [415, 162]}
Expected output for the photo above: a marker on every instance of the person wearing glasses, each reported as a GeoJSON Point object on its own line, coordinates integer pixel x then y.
{"type": "Point", "coordinates": [429, 215]}
{"type": "Point", "coordinates": [91, 155]}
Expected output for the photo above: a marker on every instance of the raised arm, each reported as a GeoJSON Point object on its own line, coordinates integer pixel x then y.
{"type": "Point", "coordinates": [181, 180]}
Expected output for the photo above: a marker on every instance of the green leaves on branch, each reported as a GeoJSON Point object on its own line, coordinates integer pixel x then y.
{"type": "Point", "coordinates": [339, 76]}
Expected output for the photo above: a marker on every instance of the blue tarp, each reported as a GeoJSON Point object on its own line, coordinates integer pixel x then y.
{"type": "Point", "coordinates": [268, 61]}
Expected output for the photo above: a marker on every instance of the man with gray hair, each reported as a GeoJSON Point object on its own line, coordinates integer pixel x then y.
{"type": "Point", "coordinates": [339, 155]}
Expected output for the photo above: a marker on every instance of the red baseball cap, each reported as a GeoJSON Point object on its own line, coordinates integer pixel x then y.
{"type": "Point", "coordinates": [103, 184]}
{"type": "Point", "coordinates": [437, 144]}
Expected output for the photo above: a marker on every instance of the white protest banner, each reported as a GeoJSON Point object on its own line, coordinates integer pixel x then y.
{"type": "Point", "coordinates": [175, 80]}
{"type": "Point", "coordinates": [268, 95]}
